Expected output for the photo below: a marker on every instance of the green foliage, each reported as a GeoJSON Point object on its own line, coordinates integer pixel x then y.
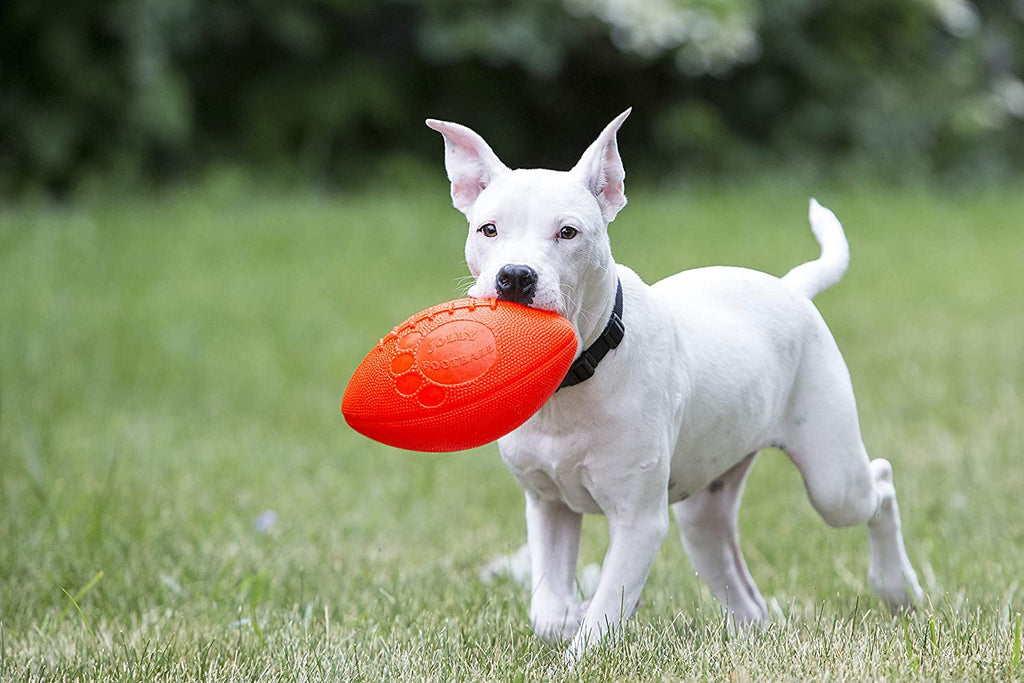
{"type": "Point", "coordinates": [321, 89]}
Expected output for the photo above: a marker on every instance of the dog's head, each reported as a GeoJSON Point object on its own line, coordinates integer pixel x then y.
{"type": "Point", "coordinates": [536, 237]}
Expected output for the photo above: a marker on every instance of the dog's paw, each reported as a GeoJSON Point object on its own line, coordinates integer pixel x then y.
{"type": "Point", "coordinates": [899, 589]}
{"type": "Point", "coordinates": [515, 567]}
{"type": "Point", "coordinates": [557, 624]}
{"type": "Point", "coordinates": [558, 630]}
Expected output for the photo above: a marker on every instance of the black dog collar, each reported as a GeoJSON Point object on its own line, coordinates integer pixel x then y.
{"type": "Point", "coordinates": [583, 367]}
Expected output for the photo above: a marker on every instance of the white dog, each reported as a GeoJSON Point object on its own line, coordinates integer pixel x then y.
{"type": "Point", "coordinates": [677, 387]}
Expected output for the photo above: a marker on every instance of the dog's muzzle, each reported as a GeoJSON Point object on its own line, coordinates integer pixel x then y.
{"type": "Point", "coordinates": [517, 283]}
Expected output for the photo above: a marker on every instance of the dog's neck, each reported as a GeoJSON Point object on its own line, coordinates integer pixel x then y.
{"type": "Point", "coordinates": [585, 365]}
{"type": "Point", "coordinates": [597, 299]}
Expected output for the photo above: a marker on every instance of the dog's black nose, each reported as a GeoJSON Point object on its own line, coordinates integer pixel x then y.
{"type": "Point", "coordinates": [516, 283]}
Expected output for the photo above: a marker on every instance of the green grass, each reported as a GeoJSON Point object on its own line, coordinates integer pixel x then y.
{"type": "Point", "coordinates": [171, 368]}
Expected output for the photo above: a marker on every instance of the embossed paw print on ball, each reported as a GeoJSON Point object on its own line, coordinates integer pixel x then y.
{"type": "Point", "coordinates": [459, 375]}
{"type": "Point", "coordinates": [456, 352]}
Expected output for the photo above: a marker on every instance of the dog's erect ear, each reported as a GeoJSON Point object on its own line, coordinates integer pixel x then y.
{"type": "Point", "coordinates": [601, 170]}
{"type": "Point", "coordinates": [470, 162]}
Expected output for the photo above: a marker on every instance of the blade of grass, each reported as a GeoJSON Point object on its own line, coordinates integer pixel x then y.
{"type": "Point", "coordinates": [912, 658]}
{"type": "Point", "coordinates": [1015, 651]}
{"type": "Point", "coordinates": [78, 596]}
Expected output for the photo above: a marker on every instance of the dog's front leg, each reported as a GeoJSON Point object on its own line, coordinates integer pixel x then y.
{"type": "Point", "coordinates": [553, 533]}
{"type": "Point", "coordinates": [634, 539]}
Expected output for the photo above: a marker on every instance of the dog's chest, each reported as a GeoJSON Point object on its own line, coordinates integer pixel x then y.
{"type": "Point", "coordinates": [552, 467]}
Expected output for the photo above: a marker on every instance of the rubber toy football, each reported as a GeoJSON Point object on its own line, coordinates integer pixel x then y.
{"type": "Point", "coordinates": [459, 375]}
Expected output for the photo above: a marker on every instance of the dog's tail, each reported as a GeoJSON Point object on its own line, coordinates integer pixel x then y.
{"type": "Point", "coordinates": [814, 277]}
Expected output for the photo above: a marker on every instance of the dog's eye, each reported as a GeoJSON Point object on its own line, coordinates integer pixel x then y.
{"type": "Point", "coordinates": [567, 232]}
{"type": "Point", "coordinates": [488, 230]}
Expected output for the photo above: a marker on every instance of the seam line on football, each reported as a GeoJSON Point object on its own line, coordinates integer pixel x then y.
{"type": "Point", "coordinates": [450, 307]}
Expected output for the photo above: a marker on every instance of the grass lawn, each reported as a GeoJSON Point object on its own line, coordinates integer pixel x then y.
{"type": "Point", "coordinates": [181, 499]}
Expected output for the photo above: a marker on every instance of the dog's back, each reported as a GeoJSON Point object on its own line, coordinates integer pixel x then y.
{"type": "Point", "coordinates": [741, 337]}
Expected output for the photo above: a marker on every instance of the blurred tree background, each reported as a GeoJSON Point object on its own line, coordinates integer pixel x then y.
{"type": "Point", "coordinates": [323, 90]}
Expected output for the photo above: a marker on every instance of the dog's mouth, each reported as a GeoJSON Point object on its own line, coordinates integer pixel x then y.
{"type": "Point", "coordinates": [539, 298]}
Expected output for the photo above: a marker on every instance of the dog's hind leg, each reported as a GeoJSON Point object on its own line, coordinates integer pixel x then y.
{"type": "Point", "coordinates": [708, 523]}
{"type": "Point", "coordinates": [823, 440]}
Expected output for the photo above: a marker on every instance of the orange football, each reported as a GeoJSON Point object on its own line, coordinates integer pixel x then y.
{"type": "Point", "coordinates": [459, 375]}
